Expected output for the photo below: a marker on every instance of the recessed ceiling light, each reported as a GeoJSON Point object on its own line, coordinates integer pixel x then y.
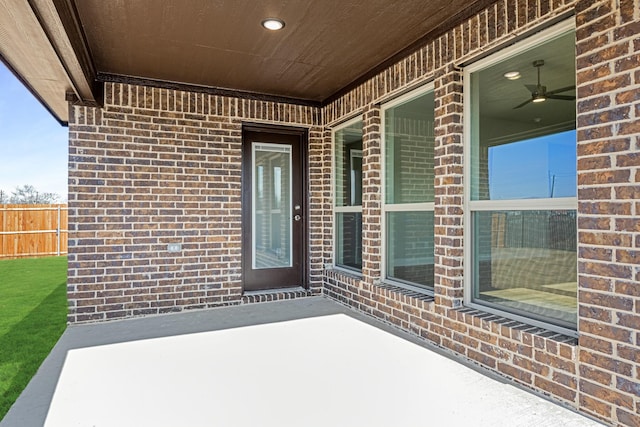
{"type": "Point", "coordinates": [273, 24]}
{"type": "Point", "coordinates": [512, 75]}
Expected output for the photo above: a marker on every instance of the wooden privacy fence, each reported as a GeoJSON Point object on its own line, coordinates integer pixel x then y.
{"type": "Point", "coordinates": [33, 230]}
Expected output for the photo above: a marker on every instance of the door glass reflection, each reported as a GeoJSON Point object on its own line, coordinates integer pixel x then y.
{"type": "Point", "coordinates": [271, 214]}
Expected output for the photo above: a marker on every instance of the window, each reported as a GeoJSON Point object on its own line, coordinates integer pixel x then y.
{"type": "Point", "coordinates": [520, 181]}
{"type": "Point", "coordinates": [408, 125]}
{"type": "Point", "coordinates": [348, 195]}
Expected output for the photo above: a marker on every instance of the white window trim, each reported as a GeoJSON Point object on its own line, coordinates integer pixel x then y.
{"type": "Point", "coordinates": [559, 203]}
{"type": "Point", "coordinates": [409, 207]}
{"type": "Point", "coordinates": [471, 206]}
{"type": "Point", "coordinates": [340, 209]}
{"type": "Point", "coordinates": [399, 207]}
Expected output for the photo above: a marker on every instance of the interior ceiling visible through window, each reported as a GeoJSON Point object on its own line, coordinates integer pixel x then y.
{"type": "Point", "coordinates": [558, 71]}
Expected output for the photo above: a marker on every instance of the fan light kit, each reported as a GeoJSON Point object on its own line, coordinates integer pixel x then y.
{"type": "Point", "coordinates": [539, 92]}
{"type": "Point", "coordinates": [512, 75]}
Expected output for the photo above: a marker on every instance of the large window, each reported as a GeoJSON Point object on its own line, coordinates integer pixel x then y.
{"type": "Point", "coordinates": [408, 189]}
{"type": "Point", "coordinates": [348, 195]}
{"type": "Point", "coordinates": [521, 180]}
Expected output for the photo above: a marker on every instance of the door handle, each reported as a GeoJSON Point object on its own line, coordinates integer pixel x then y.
{"type": "Point", "coordinates": [297, 217]}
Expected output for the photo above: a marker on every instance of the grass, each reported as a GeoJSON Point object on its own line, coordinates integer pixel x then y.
{"type": "Point", "coordinates": [33, 315]}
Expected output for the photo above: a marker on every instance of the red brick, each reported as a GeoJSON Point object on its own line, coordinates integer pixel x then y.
{"type": "Point", "coordinates": [598, 375]}
{"type": "Point", "coordinates": [482, 358]}
{"type": "Point", "coordinates": [516, 373]}
{"type": "Point", "coordinates": [604, 177]}
{"type": "Point", "coordinates": [555, 362]}
{"type": "Point", "coordinates": [604, 300]}
{"type": "Point", "coordinates": [627, 288]}
{"type": "Point", "coordinates": [555, 388]}
{"type": "Point", "coordinates": [603, 55]}
{"type": "Point", "coordinates": [595, 406]}
{"type": "Point", "coordinates": [594, 223]}
{"type": "Point", "coordinates": [629, 128]}
{"type": "Point", "coordinates": [627, 418]}
{"type": "Point", "coordinates": [606, 394]}
{"type": "Point", "coordinates": [613, 145]}
{"type": "Point", "coordinates": [606, 363]}
{"type": "Point", "coordinates": [606, 239]}
{"type": "Point", "coordinates": [568, 381]}
{"type": "Point", "coordinates": [629, 321]}
{"type": "Point", "coordinates": [628, 386]}
{"type": "Point", "coordinates": [628, 224]}
{"type": "Point", "coordinates": [595, 313]}
{"type": "Point", "coordinates": [531, 366]}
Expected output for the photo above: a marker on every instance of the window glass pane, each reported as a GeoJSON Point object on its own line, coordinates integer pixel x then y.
{"type": "Point", "coordinates": [349, 240]}
{"type": "Point", "coordinates": [348, 158]}
{"type": "Point", "coordinates": [521, 148]}
{"type": "Point", "coordinates": [543, 167]}
{"type": "Point", "coordinates": [525, 263]}
{"type": "Point", "coordinates": [409, 142]}
{"type": "Point", "coordinates": [410, 247]}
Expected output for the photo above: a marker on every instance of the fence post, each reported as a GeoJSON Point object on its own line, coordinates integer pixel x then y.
{"type": "Point", "coordinates": [58, 233]}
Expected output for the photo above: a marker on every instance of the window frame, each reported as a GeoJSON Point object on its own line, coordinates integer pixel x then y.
{"type": "Point", "coordinates": [471, 206]}
{"type": "Point", "coordinates": [398, 207]}
{"type": "Point", "coordinates": [341, 209]}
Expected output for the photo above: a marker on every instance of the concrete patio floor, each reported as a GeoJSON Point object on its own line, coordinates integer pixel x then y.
{"type": "Point", "coordinates": [303, 362]}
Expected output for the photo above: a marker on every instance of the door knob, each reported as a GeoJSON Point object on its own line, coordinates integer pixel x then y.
{"type": "Point", "coordinates": [297, 217]}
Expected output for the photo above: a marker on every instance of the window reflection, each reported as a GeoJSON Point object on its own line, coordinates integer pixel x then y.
{"type": "Point", "coordinates": [525, 263]}
{"type": "Point", "coordinates": [543, 167]}
{"type": "Point", "coordinates": [409, 142]}
{"type": "Point", "coordinates": [348, 190]}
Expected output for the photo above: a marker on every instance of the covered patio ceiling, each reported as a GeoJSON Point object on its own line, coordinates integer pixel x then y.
{"type": "Point", "coordinates": [63, 49]}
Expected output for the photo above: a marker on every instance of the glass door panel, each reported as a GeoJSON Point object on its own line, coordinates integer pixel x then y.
{"type": "Point", "coordinates": [271, 207]}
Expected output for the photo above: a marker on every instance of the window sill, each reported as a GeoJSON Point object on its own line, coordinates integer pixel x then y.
{"type": "Point", "coordinates": [354, 274]}
{"type": "Point", "coordinates": [521, 322]}
{"type": "Point", "coordinates": [408, 290]}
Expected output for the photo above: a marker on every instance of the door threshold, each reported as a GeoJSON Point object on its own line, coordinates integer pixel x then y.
{"type": "Point", "coordinates": [267, 295]}
{"type": "Point", "coordinates": [275, 291]}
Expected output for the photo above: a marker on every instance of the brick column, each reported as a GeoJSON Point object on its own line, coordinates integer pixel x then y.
{"type": "Point", "coordinates": [327, 198]}
{"type": "Point", "coordinates": [371, 201]}
{"type": "Point", "coordinates": [608, 104]}
{"type": "Point", "coordinates": [448, 169]}
{"type": "Point", "coordinates": [319, 197]}
{"type": "Point", "coordinates": [84, 293]}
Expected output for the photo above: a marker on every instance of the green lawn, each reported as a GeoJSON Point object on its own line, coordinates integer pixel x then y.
{"type": "Point", "coordinates": [33, 315]}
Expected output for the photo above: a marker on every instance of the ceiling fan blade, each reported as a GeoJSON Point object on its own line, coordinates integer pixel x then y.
{"type": "Point", "coordinates": [562, 89]}
{"type": "Point", "coordinates": [523, 104]}
{"type": "Point", "coordinates": [562, 97]}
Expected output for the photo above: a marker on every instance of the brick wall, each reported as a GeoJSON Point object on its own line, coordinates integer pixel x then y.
{"type": "Point", "coordinates": [371, 194]}
{"type": "Point", "coordinates": [598, 373]}
{"type": "Point", "coordinates": [159, 166]}
{"type": "Point", "coordinates": [608, 84]}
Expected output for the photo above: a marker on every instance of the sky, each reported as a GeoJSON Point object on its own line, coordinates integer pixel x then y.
{"type": "Point", "coordinates": [33, 144]}
{"type": "Point", "coordinates": [535, 168]}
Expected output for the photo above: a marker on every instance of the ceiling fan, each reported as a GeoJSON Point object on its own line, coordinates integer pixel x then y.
{"type": "Point", "coordinates": [539, 92]}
